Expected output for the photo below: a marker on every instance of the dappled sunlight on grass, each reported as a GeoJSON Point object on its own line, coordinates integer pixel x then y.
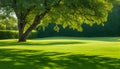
{"type": "Point", "coordinates": [38, 42]}
{"type": "Point", "coordinates": [25, 59]}
{"type": "Point", "coordinates": [61, 53]}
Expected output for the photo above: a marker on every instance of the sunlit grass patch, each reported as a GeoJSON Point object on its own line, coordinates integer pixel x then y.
{"type": "Point", "coordinates": [61, 53]}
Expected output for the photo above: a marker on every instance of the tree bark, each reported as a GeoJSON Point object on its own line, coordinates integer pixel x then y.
{"type": "Point", "coordinates": [22, 22]}
{"type": "Point", "coordinates": [23, 35]}
{"type": "Point", "coordinates": [21, 26]}
{"type": "Point", "coordinates": [22, 39]}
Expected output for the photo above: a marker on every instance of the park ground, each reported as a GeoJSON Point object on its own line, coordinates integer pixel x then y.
{"type": "Point", "coordinates": [61, 53]}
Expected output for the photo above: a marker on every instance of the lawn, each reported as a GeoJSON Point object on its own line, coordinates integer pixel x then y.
{"type": "Point", "coordinates": [61, 53]}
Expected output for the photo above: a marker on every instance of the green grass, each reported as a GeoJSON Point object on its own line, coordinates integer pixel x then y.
{"type": "Point", "coordinates": [61, 53]}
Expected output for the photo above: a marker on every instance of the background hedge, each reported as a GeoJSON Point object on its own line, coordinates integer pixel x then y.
{"type": "Point", "coordinates": [13, 34]}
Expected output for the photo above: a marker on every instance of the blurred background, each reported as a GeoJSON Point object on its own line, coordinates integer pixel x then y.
{"type": "Point", "coordinates": [8, 28]}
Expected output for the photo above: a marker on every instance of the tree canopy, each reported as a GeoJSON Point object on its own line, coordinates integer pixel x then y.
{"type": "Point", "coordinates": [68, 13]}
{"type": "Point", "coordinates": [8, 23]}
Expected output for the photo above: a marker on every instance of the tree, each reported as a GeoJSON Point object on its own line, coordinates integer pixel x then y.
{"type": "Point", "coordinates": [2, 27]}
{"type": "Point", "coordinates": [68, 13]}
{"type": "Point", "coordinates": [8, 23]}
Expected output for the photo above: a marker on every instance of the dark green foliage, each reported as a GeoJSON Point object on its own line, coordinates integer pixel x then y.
{"type": "Point", "coordinates": [76, 12]}
{"type": "Point", "coordinates": [71, 14]}
{"type": "Point", "coordinates": [8, 34]}
{"type": "Point", "coordinates": [111, 28]}
{"type": "Point", "coordinates": [12, 34]}
{"type": "Point", "coordinates": [33, 34]}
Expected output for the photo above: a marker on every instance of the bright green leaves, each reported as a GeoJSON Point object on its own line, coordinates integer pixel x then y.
{"type": "Point", "coordinates": [8, 23]}
{"type": "Point", "coordinates": [68, 13]}
{"type": "Point", "coordinates": [74, 13]}
{"type": "Point", "coordinates": [56, 28]}
{"type": "Point", "coordinates": [2, 26]}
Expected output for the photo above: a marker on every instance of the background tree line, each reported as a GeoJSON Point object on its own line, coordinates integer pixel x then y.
{"type": "Point", "coordinates": [8, 23]}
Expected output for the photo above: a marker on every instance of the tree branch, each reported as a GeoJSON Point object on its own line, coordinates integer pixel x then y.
{"type": "Point", "coordinates": [35, 22]}
{"type": "Point", "coordinates": [38, 18]}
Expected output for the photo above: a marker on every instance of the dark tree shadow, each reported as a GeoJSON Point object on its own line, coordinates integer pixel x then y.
{"type": "Point", "coordinates": [107, 39]}
{"type": "Point", "coordinates": [31, 59]}
{"type": "Point", "coordinates": [15, 43]}
{"type": "Point", "coordinates": [39, 44]}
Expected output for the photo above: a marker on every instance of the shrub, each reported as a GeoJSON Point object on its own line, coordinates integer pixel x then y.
{"type": "Point", "coordinates": [33, 34]}
{"type": "Point", "coordinates": [12, 34]}
{"type": "Point", "coordinates": [8, 34]}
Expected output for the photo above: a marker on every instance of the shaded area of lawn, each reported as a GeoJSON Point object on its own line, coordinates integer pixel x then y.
{"type": "Point", "coordinates": [107, 39]}
{"type": "Point", "coordinates": [50, 42]}
{"type": "Point", "coordinates": [13, 43]}
{"type": "Point", "coordinates": [74, 40]}
{"type": "Point", "coordinates": [32, 59]}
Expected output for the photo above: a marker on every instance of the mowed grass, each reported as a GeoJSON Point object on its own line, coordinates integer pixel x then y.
{"type": "Point", "coordinates": [61, 53]}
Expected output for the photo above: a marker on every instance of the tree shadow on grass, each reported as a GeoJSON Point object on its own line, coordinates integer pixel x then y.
{"type": "Point", "coordinates": [38, 43]}
{"type": "Point", "coordinates": [31, 59]}
{"type": "Point", "coordinates": [106, 39]}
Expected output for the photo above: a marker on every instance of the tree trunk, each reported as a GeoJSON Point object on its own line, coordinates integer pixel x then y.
{"type": "Point", "coordinates": [24, 34]}
{"type": "Point", "coordinates": [21, 25]}
{"type": "Point", "coordinates": [22, 39]}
